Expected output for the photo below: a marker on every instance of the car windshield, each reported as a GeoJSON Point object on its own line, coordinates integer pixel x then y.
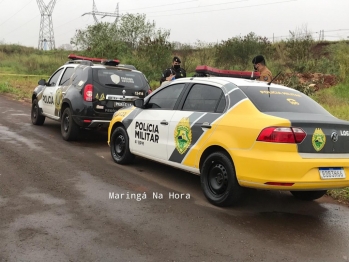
{"type": "Point", "coordinates": [119, 78]}
{"type": "Point", "coordinates": [282, 100]}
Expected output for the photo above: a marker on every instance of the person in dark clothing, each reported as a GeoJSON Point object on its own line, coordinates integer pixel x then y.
{"type": "Point", "coordinates": [173, 72]}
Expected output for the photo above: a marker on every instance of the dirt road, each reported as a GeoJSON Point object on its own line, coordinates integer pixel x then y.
{"type": "Point", "coordinates": [55, 205]}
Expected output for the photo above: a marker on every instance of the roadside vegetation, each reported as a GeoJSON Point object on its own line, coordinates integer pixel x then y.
{"type": "Point", "coordinates": [318, 69]}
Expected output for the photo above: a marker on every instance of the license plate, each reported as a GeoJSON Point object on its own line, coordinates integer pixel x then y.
{"type": "Point", "coordinates": [331, 172]}
{"type": "Point", "coordinates": [118, 104]}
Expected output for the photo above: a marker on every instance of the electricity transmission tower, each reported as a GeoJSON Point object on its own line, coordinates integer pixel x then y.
{"type": "Point", "coordinates": [95, 12]}
{"type": "Point", "coordinates": [46, 35]}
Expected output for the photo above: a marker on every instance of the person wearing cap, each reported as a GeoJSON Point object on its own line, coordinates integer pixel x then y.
{"type": "Point", "coordinates": [173, 72]}
{"type": "Point", "coordinates": [259, 65]}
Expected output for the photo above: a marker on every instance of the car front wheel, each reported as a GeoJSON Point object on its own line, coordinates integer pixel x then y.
{"type": "Point", "coordinates": [218, 180]}
{"type": "Point", "coordinates": [119, 147]}
{"type": "Point", "coordinates": [308, 195]}
{"type": "Point", "coordinates": [37, 118]}
{"type": "Point", "coordinates": [69, 129]}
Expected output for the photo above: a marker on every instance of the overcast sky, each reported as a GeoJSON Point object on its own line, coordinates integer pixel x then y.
{"type": "Point", "coordinates": [187, 20]}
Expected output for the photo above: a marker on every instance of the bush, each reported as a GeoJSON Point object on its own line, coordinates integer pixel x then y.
{"type": "Point", "coordinates": [238, 52]}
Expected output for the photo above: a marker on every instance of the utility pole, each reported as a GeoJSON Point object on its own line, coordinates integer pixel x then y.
{"type": "Point", "coordinates": [321, 35]}
{"type": "Point", "coordinates": [46, 34]}
{"type": "Point", "coordinates": [94, 13]}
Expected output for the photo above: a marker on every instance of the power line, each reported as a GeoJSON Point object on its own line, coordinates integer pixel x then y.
{"type": "Point", "coordinates": [14, 30]}
{"type": "Point", "coordinates": [311, 33]}
{"type": "Point", "coordinates": [163, 5]}
{"type": "Point", "coordinates": [241, 7]}
{"type": "Point", "coordinates": [16, 13]}
{"type": "Point", "coordinates": [199, 6]}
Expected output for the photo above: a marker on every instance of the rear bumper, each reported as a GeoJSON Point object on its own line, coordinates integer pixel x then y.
{"type": "Point", "coordinates": [255, 168]}
{"type": "Point", "coordinates": [89, 122]}
{"type": "Point", "coordinates": [98, 123]}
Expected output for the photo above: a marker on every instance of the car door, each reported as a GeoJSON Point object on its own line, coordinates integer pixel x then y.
{"type": "Point", "coordinates": [48, 96]}
{"type": "Point", "coordinates": [203, 105]}
{"type": "Point", "coordinates": [59, 91]}
{"type": "Point", "coordinates": [59, 78]}
{"type": "Point", "coordinates": [148, 132]}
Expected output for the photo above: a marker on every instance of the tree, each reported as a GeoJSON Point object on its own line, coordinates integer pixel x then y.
{"type": "Point", "coordinates": [154, 53]}
{"type": "Point", "coordinates": [134, 27]}
{"type": "Point", "coordinates": [298, 49]}
{"type": "Point", "coordinates": [100, 40]}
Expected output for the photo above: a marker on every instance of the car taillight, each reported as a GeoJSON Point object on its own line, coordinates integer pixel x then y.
{"type": "Point", "coordinates": [149, 91]}
{"type": "Point", "coordinates": [282, 135]}
{"type": "Point", "coordinates": [88, 92]}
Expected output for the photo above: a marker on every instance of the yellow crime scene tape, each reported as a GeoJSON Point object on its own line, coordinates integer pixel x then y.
{"type": "Point", "coordinates": [21, 75]}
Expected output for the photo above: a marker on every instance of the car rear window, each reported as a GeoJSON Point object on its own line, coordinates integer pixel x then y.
{"type": "Point", "coordinates": [282, 100]}
{"type": "Point", "coordinates": [119, 78]}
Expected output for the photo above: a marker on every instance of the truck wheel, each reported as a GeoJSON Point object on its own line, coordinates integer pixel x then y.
{"type": "Point", "coordinates": [69, 129]}
{"type": "Point", "coordinates": [308, 195]}
{"type": "Point", "coordinates": [119, 147]}
{"type": "Point", "coordinates": [218, 180]}
{"type": "Point", "coordinates": [37, 118]}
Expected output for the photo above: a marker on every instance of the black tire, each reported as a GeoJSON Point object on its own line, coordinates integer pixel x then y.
{"type": "Point", "coordinates": [37, 118]}
{"type": "Point", "coordinates": [218, 180]}
{"type": "Point", "coordinates": [119, 147]}
{"type": "Point", "coordinates": [308, 195]}
{"type": "Point", "coordinates": [69, 129]}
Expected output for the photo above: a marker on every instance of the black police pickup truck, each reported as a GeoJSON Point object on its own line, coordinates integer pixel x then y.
{"type": "Point", "coordinates": [85, 92]}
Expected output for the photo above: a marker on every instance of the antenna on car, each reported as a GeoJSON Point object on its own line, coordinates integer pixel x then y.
{"type": "Point", "coordinates": [272, 81]}
{"type": "Point", "coordinates": [274, 78]}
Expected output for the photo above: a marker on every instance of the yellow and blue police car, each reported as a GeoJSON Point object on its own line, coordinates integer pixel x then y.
{"type": "Point", "coordinates": [236, 133]}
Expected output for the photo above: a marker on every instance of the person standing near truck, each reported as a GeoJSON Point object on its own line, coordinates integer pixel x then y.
{"type": "Point", "coordinates": [259, 65]}
{"type": "Point", "coordinates": [173, 72]}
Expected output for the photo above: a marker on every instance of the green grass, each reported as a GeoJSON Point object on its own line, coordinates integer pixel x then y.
{"type": "Point", "coordinates": [6, 88]}
{"type": "Point", "coordinates": [342, 195]}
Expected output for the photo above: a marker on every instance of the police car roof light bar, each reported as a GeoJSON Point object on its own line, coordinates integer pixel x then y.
{"type": "Point", "coordinates": [204, 69]}
{"type": "Point", "coordinates": [92, 59]}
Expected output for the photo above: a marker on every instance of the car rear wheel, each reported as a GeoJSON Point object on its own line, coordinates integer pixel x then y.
{"type": "Point", "coordinates": [37, 118]}
{"type": "Point", "coordinates": [69, 129]}
{"type": "Point", "coordinates": [218, 180]}
{"type": "Point", "coordinates": [308, 195]}
{"type": "Point", "coordinates": [119, 147]}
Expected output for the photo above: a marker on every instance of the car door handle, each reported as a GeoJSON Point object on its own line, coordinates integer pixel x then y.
{"type": "Point", "coordinates": [206, 125]}
{"type": "Point", "coordinates": [164, 122]}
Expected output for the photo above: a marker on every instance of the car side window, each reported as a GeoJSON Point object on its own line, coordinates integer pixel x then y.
{"type": "Point", "coordinates": [77, 77]}
{"type": "Point", "coordinates": [205, 98]}
{"type": "Point", "coordinates": [54, 79]}
{"type": "Point", "coordinates": [221, 105]}
{"type": "Point", "coordinates": [66, 76]}
{"type": "Point", "coordinates": [166, 98]}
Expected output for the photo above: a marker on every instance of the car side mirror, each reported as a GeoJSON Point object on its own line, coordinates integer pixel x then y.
{"type": "Point", "coordinates": [139, 103]}
{"type": "Point", "coordinates": [42, 82]}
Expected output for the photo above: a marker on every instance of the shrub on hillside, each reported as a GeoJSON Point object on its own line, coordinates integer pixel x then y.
{"type": "Point", "coordinates": [237, 52]}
